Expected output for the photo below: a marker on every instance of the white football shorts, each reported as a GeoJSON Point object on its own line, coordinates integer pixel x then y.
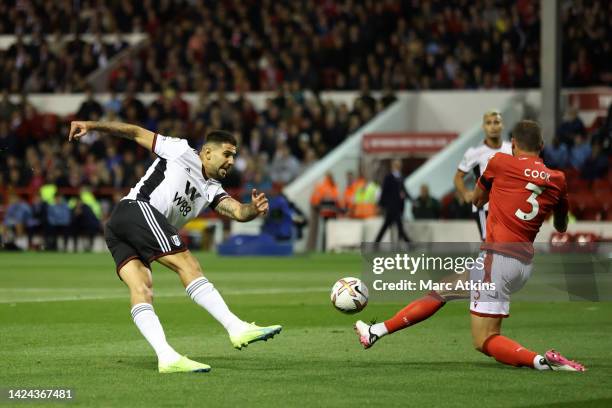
{"type": "Point", "coordinates": [508, 274]}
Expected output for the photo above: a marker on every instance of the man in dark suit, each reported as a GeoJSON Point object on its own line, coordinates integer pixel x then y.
{"type": "Point", "coordinates": [392, 200]}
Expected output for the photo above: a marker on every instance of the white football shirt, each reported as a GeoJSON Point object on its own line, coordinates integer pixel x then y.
{"type": "Point", "coordinates": [175, 183]}
{"type": "Point", "coordinates": [476, 159]}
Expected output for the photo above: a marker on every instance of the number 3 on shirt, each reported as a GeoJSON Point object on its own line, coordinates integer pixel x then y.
{"type": "Point", "coordinates": [535, 206]}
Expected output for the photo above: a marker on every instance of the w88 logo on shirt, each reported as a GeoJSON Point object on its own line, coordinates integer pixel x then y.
{"type": "Point", "coordinates": [183, 204]}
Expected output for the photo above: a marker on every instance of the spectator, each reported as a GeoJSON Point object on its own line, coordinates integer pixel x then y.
{"type": "Point", "coordinates": [325, 203]}
{"type": "Point", "coordinates": [366, 199]}
{"type": "Point", "coordinates": [285, 167]}
{"type": "Point", "coordinates": [279, 222]}
{"type": "Point", "coordinates": [260, 182]}
{"type": "Point", "coordinates": [90, 109]}
{"type": "Point", "coordinates": [352, 184]}
{"type": "Point", "coordinates": [6, 106]}
{"type": "Point", "coordinates": [84, 224]}
{"type": "Point", "coordinates": [392, 201]}
{"type": "Point", "coordinates": [458, 208]}
{"type": "Point", "coordinates": [8, 139]}
{"type": "Point", "coordinates": [425, 206]}
{"type": "Point", "coordinates": [571, 126]}
{"type": "Point", "coordinates": [556, 155]}
{"type": "Point", "coordinates": [112, 107]}
{"type": "Point", "coordinates": [580, 152]}
{"type": "Point", "coordinates": [58, 223]}
{"type": "Point", "coordinates": [36, 224]}
{"type": "Point", "coordinates": [16, 218]}
{"type": "Point", "coordinates": [596, 165]}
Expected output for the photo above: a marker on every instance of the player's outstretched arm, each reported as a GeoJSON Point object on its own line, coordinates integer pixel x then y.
{"type": "Point", "coordinates": [461, 188]}
{"type": "Point", "coordinates": [141, 136]}
{"type": "Point", "coordinates": [238, 211]}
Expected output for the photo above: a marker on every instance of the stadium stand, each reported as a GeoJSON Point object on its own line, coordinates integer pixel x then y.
{"type": "Point", "coordinates": [293, 49]}
{"type": "Point", "coordinates": [258, 45]}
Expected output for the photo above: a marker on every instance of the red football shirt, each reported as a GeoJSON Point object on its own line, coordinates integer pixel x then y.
{"type": "Point", "coordinates": [522, 192]}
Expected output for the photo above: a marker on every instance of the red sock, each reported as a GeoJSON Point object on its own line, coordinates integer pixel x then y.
{"type": "Point", "coordinates": [415, 312]}
{"type": "Point", "coordinates": [508, 351]}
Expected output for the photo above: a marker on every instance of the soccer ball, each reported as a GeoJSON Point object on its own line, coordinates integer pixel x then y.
{"type": "Point", "coordinates": [349, 295]}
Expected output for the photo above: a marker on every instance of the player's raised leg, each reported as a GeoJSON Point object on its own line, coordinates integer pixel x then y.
{"type": "Point", "coordinates": [140, 283]}
{"type": "Point", "coordinates": [417, 311]}
{"type": "Point", "coordinates": [206, 295]}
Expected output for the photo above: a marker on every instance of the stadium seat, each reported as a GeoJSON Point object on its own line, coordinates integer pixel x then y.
{"type": "Point", "coordinates": [602, 185]}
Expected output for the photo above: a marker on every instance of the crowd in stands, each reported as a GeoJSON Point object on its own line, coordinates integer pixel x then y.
{"type": "Point", "coordinates": [261, 45]}
{"type": "Point", "coordinates": [276, 144]}
{"type": "Point", "coordinates": [59, 65]}
{"type": "Point", "coordinates": [576, 149]}
{"type": "Point", "coordinates": [346, 44]}
{"type": "Point", "coordinates": [84, 16]}
{"type": "Point", "coordinates": [290, 48]}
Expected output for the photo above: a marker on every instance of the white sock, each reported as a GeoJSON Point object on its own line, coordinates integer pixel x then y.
{"type": "Point", "coordinates": [379, 329]}
{"type": "Point", "coordinates": [148, 323]}
{"type": "Point", "coordinates": [539, 364]}
{"type": "Point", "coordinates": [204, 294]}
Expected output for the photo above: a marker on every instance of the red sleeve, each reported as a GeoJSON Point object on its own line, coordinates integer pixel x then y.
{"type": "Point", "coordinates": [485, 181]}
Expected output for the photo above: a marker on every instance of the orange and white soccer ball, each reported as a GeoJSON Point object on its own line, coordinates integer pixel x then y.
{"type": "Point", "coordinates": [349, 295]}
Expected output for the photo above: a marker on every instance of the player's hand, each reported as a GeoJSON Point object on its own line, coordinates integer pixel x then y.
{"type": "Point", "coordinates": [260, 202]}
{"type": "Point", "coordinates": [468, 196]}
{"type": "Point", "coordinates": [78, 129]}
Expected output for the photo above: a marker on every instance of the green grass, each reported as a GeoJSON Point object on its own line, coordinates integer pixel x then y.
{"type": "Point", "coordinates": [65, 322]}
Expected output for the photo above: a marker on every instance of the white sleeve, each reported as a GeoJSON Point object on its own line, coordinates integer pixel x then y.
{"type": "Point", "coordinates": [468, 162]}
{"type": "Point", "coordinates": [169, 148]}
{"type": "Point", "coordinates": [218, 196]}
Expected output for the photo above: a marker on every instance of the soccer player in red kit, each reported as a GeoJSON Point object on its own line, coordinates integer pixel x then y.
{"type": "Point", "coordinates": [521, 192]}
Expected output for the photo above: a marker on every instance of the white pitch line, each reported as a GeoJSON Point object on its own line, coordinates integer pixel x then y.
{"type": "Point", "coordinates": [125, 295]}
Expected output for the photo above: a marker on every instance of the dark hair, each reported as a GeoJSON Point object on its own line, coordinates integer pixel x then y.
{"type": "Point", "coordinates": [221, 136]}
{"type": "Point", "coordinates": [528, 136]}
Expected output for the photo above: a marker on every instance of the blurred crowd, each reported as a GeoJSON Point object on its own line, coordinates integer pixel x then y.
{"type": "Point", "coordinates": [84, 16]}
{"type": "Point", "coordinates": [578, 151]}
{"type": "Point", "coordinates": [263, 45]}
{"type": "Point", "coordinates": [276, 144]}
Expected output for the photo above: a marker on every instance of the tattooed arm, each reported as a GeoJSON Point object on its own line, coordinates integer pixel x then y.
{"type": "Point", "coordinates": [238, 211]}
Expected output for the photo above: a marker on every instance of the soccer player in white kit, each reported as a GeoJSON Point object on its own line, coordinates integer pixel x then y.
{"type": "Point", "coordinates": [475, 160]}
{"type": "Point", "coordinates": [144, 228]}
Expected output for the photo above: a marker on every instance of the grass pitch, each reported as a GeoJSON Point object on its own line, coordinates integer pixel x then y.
{"type": "Point", "coordinates": [65, 322]}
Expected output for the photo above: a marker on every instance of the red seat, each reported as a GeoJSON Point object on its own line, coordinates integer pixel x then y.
{"type": "Point", "coordinates": [602, 185]}
{"type": "Point", "coordinates": [586, 205]}
{"type": "Point", "coordinates": [592, 213]}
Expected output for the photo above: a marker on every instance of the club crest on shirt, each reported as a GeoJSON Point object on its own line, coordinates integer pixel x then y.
{"type": "Point", "coordinates": [176, 240]}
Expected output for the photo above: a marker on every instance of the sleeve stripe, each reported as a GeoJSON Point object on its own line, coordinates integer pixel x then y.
{"type": "Point", "coordinates": [154, 142]}
{"type": "Point", "coordinates": [218, 199]}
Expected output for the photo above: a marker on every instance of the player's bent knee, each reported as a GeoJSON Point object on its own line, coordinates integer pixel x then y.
{"type": "Point", "coordinates": [478, 343]}
{"type": "Point", "coordinates": [189, 266]}
{"type": "Point", "coordinates": [143, 292]}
